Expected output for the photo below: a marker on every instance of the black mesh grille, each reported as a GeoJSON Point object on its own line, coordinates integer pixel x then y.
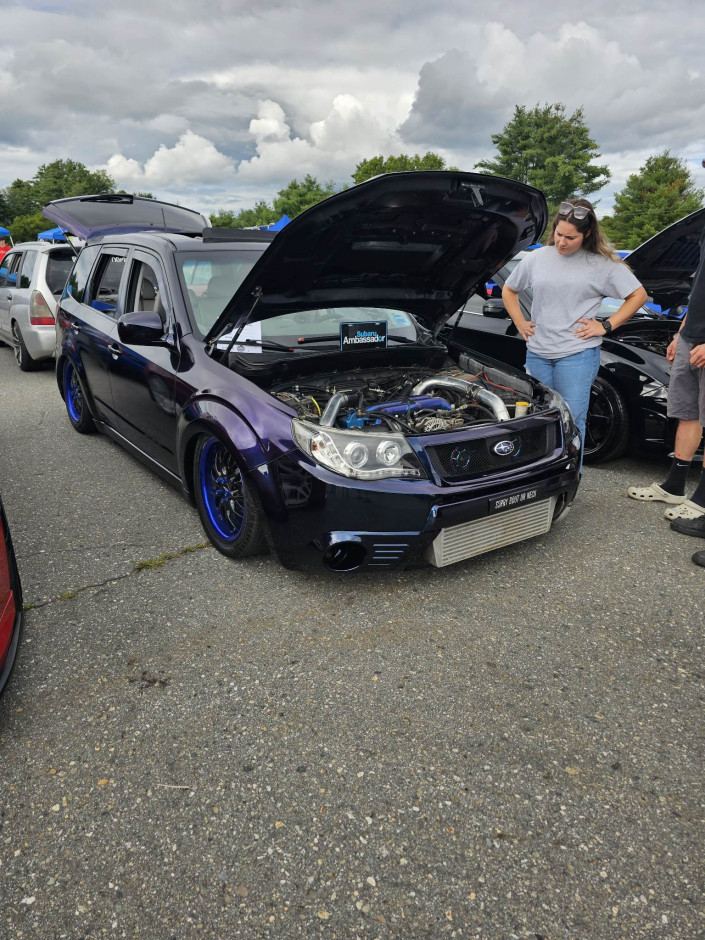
{"type": "Point", "coordinates": [468, 459]}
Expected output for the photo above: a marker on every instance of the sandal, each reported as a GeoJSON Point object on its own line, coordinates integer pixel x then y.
{"type": "Point", "coordinates": [687, 510]}
{"type": "Point", "coordinates": [654, 493]}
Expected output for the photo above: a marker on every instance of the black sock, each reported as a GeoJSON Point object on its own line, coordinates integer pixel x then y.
{"type": "Point", "coordinates": [676, 479]}
{"type": "Point", "coordinates": [699, 494]}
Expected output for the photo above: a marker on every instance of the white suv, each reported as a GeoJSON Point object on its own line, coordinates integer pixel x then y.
{"type": "Point", "coordinates": [32, 278]}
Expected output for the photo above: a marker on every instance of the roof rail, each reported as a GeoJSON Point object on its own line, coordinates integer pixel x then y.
{"type": "Point", "coordinates": [237, 235]}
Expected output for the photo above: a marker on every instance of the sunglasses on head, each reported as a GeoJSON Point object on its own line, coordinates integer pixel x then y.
{"type": "Point", "coordinates": [578, 212]}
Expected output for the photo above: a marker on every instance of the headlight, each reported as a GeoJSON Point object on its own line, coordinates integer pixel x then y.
{"type": "Point", "coordinates": [371, 455]}
{"type": "Point", "coordinates": [566, 414]}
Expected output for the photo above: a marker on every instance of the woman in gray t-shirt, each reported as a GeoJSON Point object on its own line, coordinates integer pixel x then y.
{"type": "Point", "coordinates": [569, 280]}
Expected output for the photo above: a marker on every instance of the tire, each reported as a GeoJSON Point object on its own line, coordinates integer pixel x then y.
{"type": "Point", "coordinates": [22, 357]}
{"type": "Point", "coordinates": [230, 515]}
{"type": "Point", "coordinates": [607, 428]}
{"type": "Point", "coordinates": [76, 405]}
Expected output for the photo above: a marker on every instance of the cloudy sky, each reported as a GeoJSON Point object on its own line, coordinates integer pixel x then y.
{"type": "Point", "coordinates": [219, 103]}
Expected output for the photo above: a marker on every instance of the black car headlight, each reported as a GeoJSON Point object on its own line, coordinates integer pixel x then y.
{"type": "Point", "coordinates": [368, 455]}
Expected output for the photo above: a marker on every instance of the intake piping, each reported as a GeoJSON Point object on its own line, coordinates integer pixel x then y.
{"type": "Point", "coordinates": [473, 389]}
{"type": "Point", "coordinates": [330, 412]}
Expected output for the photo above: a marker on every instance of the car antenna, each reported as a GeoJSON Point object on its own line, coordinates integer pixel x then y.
{"type": "Point", "coordinates": [257, 294]}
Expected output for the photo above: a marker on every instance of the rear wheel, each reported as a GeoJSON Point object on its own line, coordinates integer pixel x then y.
{"type": "Point", "coordinates": [229, 513]}
{"type": "Point", "coordinates": [607, 427]}
{"type": "Point", "coordinates": [76, 405]}
{"type": "Point", "coordinates": [23, 358]}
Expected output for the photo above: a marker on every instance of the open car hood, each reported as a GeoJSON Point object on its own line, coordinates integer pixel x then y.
{"type": "Point", "coordinates": [419, 242]}
{"type": "Point", "coordinates": [113, 213]}
{"type": "Point", "coordinates": [665, 264]}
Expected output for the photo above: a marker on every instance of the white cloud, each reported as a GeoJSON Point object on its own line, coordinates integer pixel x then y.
{"type": "Point", "coordinates": [192, 160]}
{"type": "Point", "coordinates": [329, 150]}
{"type": "Point", "coordinates": [179, 101]}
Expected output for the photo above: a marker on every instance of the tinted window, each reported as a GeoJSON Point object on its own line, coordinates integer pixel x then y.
{"type": "Point", "coordinates": [106, 281]}
{"type": "Point", "coordinates": [58, 268]}
{"type": "Point", "coordinates": [28, 264]}
{"type": "Point", "coordinates": [78, 280]}
{"type": "Point", "coordinates": [8, 271]}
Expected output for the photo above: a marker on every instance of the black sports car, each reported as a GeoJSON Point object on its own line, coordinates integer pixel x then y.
{"type": "Point", "coordinates": [628, 401]}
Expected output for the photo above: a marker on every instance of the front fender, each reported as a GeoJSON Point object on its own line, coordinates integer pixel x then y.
{"type": "Point", "coordinates": [214, 417]}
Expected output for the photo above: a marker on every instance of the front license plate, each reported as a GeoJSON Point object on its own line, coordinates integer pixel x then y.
{"type": "Point", "coordinates": [499, 503]}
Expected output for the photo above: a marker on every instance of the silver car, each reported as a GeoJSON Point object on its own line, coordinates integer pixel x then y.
{"type": "Point", "coordinates": [32, 277]}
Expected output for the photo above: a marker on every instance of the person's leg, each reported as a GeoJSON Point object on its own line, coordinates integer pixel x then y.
{"type": "Point", "coordinates": [540, 368]}
{"type": "Point", "coordinates": [683, 403]}
{"type": "Point", "coordinates": [573, 378]}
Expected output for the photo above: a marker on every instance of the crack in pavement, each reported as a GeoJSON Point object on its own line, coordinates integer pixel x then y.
{"type": "Point", "coordinates": [138, 568]}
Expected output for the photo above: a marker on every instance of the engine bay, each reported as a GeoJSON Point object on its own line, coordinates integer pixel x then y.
{"type": "Point", "coordinates": [414, 400]}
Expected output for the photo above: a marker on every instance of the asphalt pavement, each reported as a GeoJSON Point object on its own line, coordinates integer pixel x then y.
{"type": "Point", "coordinates": [194, 747]}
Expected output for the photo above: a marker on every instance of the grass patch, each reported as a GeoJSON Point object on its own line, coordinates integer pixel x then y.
{"type": "Point", "coordinates": [165, 557]}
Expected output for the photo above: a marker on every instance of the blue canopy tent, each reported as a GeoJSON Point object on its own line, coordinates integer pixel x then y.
{"type": "Point", "coordinates": [52, 235]}
{"type": "Point", "coordinates": [5, 233]}
{"type": "Point", "coordinates": [276, 226]}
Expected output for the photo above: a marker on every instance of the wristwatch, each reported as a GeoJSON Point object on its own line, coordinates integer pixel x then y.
{"type": "Point", "coordinates": [607, 325]}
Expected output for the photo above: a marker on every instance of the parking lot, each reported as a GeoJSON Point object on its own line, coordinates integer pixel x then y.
{"type": "Point", "coordinates": [510, 747]}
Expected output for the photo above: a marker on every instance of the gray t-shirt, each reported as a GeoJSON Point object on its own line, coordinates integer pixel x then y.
{"type": "Point", "coordinates": [566, 288]}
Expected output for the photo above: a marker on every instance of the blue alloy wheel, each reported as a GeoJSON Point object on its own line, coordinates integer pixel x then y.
{"type": "Point", "coordinates": [76, 406]}
{"type": "Point", "coordinates": [229, 513]}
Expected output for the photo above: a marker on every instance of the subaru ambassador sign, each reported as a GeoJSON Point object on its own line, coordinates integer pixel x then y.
{"type": "Point", "coordinates": [363, 335]}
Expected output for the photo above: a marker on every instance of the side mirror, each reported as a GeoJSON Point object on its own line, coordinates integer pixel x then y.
{"type": "Point", "coordinates": [495, 308]}
{"type": "Point", "coordinates": [140, 328]}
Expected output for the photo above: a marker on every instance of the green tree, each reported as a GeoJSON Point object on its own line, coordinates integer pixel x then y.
{"type": "Point", "coordinates": [374, 166]}
{"type": "Point", "coordinates": [661, 192]}
{"type": "Point", "coordinates": [544, 147]}
{"type": "Point", "coordinates": [260, 214]}
{"type": "Point", "coordinates": [18, 200]}
{"type": "Point", "coordinates": [64, 178]}
{"type": "Point", "coordinates": [25, 228]}
{"type": "Point", "coordinates": [55, 180]}
{"type": "Point", "coordinates": [299, 196]}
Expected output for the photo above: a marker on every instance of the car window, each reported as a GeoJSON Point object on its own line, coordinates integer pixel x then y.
{"type": "Point", "coordinates": [8, 271]}
{"type": "Point", "coordinates": [105, 286]}
{"type": "Point", "coordinates": [78, 279]}
{"type": "Point", "coordinates": [144, 292]}
{"type": "Point", "coordinates": [59, 264]}
{"type": "Point", "coordinates": [28, 263]}
{"type": "Point", "coordinates": [210, 279]}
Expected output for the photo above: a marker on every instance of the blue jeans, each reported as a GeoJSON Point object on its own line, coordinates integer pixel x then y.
{"type": "Point", "coordinates": [572, 377]}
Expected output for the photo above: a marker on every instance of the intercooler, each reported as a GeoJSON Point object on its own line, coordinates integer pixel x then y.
{"type": "Point", "coordinates": [468, 539]}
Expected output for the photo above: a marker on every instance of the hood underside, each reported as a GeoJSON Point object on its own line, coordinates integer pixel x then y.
{"type": "Point", "coordinates": [665, 264]}
{"type": "Point", "coordinates": [419, 242]}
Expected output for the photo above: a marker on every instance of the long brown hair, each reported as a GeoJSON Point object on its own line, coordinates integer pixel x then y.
{"type": "Point", "coordinates": [594, 240]}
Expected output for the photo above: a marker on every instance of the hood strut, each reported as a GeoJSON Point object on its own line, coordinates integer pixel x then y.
{"type": "Point", "coordinates": [257, 293]}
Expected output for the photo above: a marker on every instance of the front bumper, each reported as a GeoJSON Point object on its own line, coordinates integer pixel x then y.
{"type": "Point", "coordinates": [347, 526]}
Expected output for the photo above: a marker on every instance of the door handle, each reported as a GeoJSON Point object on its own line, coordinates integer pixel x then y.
{"type": "Point", "coordinates": [74, 327]}
{"type": "Point", "coordinates": [115, 350]}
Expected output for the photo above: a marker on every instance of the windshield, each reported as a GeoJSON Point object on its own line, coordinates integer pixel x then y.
{"type": "Point", "coordinates": [307, 328]}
